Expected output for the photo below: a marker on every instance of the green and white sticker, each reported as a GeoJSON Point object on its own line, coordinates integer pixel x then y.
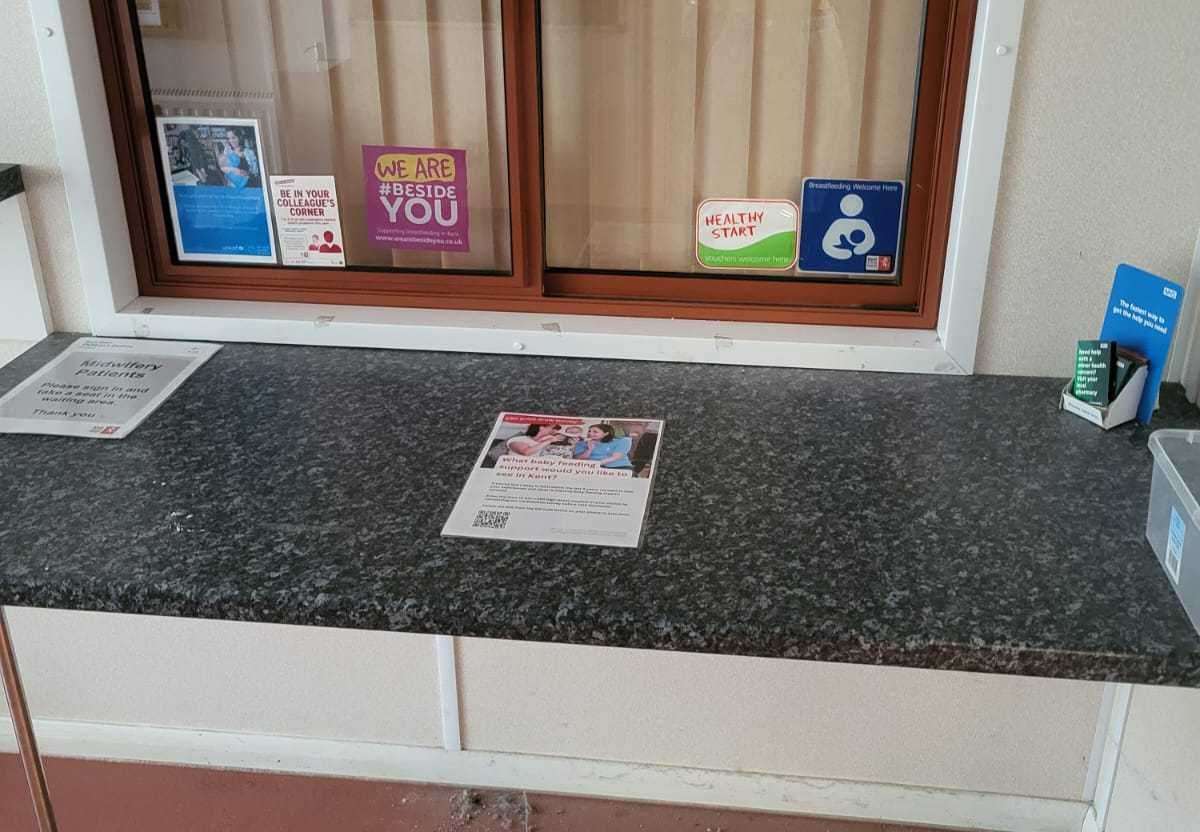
{"type": "Point", "coordinates": [758, 234]}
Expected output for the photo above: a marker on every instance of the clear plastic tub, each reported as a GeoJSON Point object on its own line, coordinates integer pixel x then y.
{"type": "Point", "coordinates": [1173, 520]}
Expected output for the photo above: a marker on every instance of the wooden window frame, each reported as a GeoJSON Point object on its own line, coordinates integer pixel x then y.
{"type": "Point", "coordinates": [912, 302]}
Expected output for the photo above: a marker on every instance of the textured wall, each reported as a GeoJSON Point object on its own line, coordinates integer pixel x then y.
{"type": "Point", "coordinates": [27, 138]}
{"type": "Point", "coordinates": [1100, 168]}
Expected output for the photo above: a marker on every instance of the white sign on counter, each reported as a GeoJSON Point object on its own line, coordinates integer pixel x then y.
{"type": "Point", "coordinates": [560, 479]}
{"type": "Point", "coordinates": [101, 388]}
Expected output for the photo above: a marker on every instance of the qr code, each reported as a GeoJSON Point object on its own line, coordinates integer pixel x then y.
{"type": "Point", "coordinates": [490, 519]}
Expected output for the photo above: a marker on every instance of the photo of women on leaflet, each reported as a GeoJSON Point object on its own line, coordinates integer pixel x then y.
{"type": "Point", "coordinates": [605, 448]}
{"type": "Point", "coordinates": [615, 444]}
{"type": "Point", "coordinates": [533, 439]}
{"type": "Point", "coordinates": [540, 440]}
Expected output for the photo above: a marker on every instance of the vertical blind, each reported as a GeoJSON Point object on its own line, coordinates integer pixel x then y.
{"type": "Point", "coordinates": [651, 107]}
{"type": "Point", "coordinates": [348, 73]}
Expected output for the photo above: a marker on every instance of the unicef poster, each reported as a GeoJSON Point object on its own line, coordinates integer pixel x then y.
{"type": "Point", "coordinates": [217, 168]}
{"type": "Point", "coordinates": [416, 198]}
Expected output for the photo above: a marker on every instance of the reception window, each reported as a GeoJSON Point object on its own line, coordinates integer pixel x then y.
{"type": "Point", "coordinates": [759, 160]}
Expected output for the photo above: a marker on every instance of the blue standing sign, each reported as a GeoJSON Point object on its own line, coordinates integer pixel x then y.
{"type": "Point", "coordinates": [1142, 311]}
{"type": "Point", "coordinates": [851, 226]}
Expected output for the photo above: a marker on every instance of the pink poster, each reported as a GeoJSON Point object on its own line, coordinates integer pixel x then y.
{"type": "Point", "coordinates": [416, 198]}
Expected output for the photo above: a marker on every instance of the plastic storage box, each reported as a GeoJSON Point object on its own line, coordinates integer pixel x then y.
{"type": "Point", "coordinates": [1173, 521]}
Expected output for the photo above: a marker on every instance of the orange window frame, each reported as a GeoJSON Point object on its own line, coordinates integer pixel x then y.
{"type": "Point", "coordinates": [909, 302]}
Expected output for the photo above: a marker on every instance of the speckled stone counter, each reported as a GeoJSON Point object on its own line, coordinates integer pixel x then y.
{"type": "Point", "coordinates": [959, 523]}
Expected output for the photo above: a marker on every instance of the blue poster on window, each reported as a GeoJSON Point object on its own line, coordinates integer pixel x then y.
{"type": "Point", "coordinates": [851, 226]}
{"type": "Point", "coordinates": [216, 174]}
{"type": "Point", "coordinates": [1142, 311]}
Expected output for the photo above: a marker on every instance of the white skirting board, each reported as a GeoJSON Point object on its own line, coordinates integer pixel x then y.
{"type": "Point", "coordinates": [560, 775]}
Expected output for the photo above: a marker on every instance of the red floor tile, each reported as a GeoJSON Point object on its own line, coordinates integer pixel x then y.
{"type": "Point", "coordinates": [15, 810]}
{"type": "Point", "coordinates": [91, 796]}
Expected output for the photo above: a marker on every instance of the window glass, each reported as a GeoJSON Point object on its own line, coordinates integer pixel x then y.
{"type": "Point", "coordinates": [650, 108]}
{"type": "Point", "coordinates": [323, 79]}
{"type": "Point", "coordinates": [788, 161]}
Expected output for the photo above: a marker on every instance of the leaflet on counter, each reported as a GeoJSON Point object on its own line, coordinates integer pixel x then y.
{"type": "Point", "coordinates": [561, 479]}
{"type": "Point", "coordinates": [101, 388]}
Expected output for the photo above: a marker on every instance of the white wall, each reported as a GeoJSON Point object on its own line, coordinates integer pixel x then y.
{"type": "Point", "coordinates": [228, 676]}
{"type": "Point", "coordinates": [1008, 735]}
{"type": "Point", "coordinates": [27, 138]}
{"type": "Point", "coordinates": [10, 349]}
{"type": "Point", "coordinates": [1100, 168]}
{"type": "Point", "coordinates": [1158, 779]}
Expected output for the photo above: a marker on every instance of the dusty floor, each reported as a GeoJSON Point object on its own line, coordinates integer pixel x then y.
{"type": "Point", "coordinates": [118, 797]}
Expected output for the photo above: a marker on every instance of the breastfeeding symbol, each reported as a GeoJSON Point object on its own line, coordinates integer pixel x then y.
{"type": "Point", "coordinates": [848, 236]}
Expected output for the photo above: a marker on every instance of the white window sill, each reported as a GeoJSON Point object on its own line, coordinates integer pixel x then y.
{"type": "Point", "coordinates": [582, 336]}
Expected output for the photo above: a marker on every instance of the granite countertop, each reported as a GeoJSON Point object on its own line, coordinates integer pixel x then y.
{"type": "Point", "coordinates": [941, 522]}
{"type": "Point", "coordinates": [11, 182]}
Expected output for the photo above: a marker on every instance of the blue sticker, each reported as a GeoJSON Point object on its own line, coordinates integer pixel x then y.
{"type": "Point", "coordinates": [223, 221]}
{"type": "Point", "coordinates": [1142, 311]}
{"type": "Point", "coordinates": [1175, 533]}
{"type": "Point", "coordinates": [851, 226]}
